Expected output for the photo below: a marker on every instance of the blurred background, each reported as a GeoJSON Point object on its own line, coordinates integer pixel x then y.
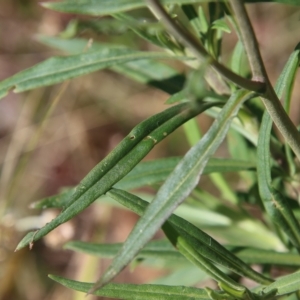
{"type": "Point", "coordinates": [51, 137]}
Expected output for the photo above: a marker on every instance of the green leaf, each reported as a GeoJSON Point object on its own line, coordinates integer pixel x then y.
{"type": "Point", "coordinates": [248, 129]}
{"type": "Point", "coordinates": [136, 292]}
{"type": "Point", "coordinates": [58, 69]}
{"type": "Point", "coordinates": [276, 206]}
{"type": "Point", "coordinates": [289, 2]}
{"type": "Point", "coordinates": [269, 257]}
{"type": "Point", "coordinates": [154, 34]}
{"type": "Point", "coordinates": [135, 136]}
{"type": "Point", "coordinates": [56, 201]}
{"type": "Point", "coordinates": [149, 173]}
{"type": "Point", "coordinates": [114, 167]}
{"type": "Point", "coordinates": [106, 7]}
{"type": "Point", "coordinates": [189, 250]}
{"type": "Point", "coordinates": [162, 249]}
{"type": "Point", "coordinates": [176, 188]}
{"type": "Point", "coordinates": [285, 285]}
{"type": "Point", "coordinates": [153, 172]}
{"type": "Point", "coordinates": [195, 20]}
{"type": "Point", "coordinates": [221, 25]}
{"type": "Point", "coordinates": [148, 71]}
{"type": "Point", "coordinates": [188, 275]}
{"type": "Point", "coordinates": [238, 59]}
{"type": "Point", "coordinates": [288, 76]}
{"type": "Point", "coordinates": [204, 244]}
{"type": "Point", "coordinates": [155, 249]}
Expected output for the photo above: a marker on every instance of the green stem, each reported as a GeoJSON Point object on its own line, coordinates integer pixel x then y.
{"type": "Point", "coordinates": [199, 51]}
{"type": "Point", "coordinates": [269, 98]}
{"type": "Point", "coordinates": [249, 41]}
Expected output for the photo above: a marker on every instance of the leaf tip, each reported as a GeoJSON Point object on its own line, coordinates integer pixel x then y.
{"type": "Point", "coordinates": [27, 240]}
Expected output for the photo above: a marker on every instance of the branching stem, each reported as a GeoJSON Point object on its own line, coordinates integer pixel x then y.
{"type": "Point", "coordinates": [269, 98]}
{"type": "Point", "coordinates": [199, 51]}
{"type": "Point", "coordinates": [260, 82]}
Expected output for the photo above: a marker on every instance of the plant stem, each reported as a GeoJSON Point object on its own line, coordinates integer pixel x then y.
{"type": "Point", "coordinates": [264, 87]}
{"type": "Point", "coordinates": [249, 41]}
{"type": "Point", "coordinates": [269, 98]}
{"type": "Point", "coordinates": [199, 51]}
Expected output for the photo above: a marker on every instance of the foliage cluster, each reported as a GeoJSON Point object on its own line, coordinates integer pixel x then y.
{"type": "Point", "coordinates": [244, 109]}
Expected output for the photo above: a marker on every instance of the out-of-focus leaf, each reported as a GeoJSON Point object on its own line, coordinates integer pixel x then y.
{"type": "Point", "coordinates": [238, 59]}
{"type": "Point", "coordinates": [58, 69]}
{"type": "Point", "coordinates": [285, 285]}
{"type": "Point", "coordinates": [275, 204]}
{"type": "Point", "coordinates": [156, 36]}
{"type": "Point", "coordinates": [250, 131]}
{"type": "Point", "coordinates": [136, 292]}
{"type": "Point", "coordinates": [221, 25]}
{"type": "Point", "coordinates": [155, 249]}
{"type": "Point", "coordinates": [148, 71]}
{"type": "Point", "coordinates": [261, 256]}
{"type": "Point", "coordinates": [153, 172]}
{"type": "Point", "coordinates": [193, 18]}
{"type": "Point", "coordinates": [289, 2]}
{"type": "Point", "coordinates": [189, 276]}
{"type": "Point", "coordinates": [56, 201]}
{"type": "Point", "coordinates": [293, 62]}
{"type": "Point", "coordinates": [105, 7]}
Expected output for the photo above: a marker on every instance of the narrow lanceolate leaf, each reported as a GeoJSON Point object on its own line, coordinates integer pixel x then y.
{"type": "Point", "coordinates": [189, 250]}
{"type": "Point", "coordinates": [238, 58]}
{"type": "Point", "coordinates": [148, 71]}
{"type": "Point", "coordinates": [285, 285]}
{"type": "Point", "coordinates": [115, 173]}
{"type": "Point", "coordinates": [287, 77]}
{"type": "Point", "coordinates": [136, 135]}
{"type": "Point", "coordinates": [153, 172]}
{"type": "Point", "coordinates": [156, 249]}
{"type": "Point", "coordinates": [204, 244]}
{"type": "Point", "coordinates": [105, 7]}
{"type": "Point", "coordinates": [58, 69]}
{"type": "Point", "coordinates": [57, 201]}
{"type": "Point", "coordinates": [164, 250]}
{"type": "Point", "coordinates": [268, 257]}
{"type": "Point", "coordinates": [176, 188]}
{"type": "Point", "coordinates": [276, 205]}
{"type": "Point", "coordinates": [144, 174]}
{"type": "Point", "coordinates": [136, 292]}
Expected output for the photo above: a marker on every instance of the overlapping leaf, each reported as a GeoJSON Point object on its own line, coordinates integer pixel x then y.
{"type": "Point", "coordinates": [153, 172]}
{"type": "Point", "coordinates": [105, 7]}
{"type": "Point", "coordinates": [137, 292]}
{"type": "Point", "coordinates": [275, 204]}
{"type": "Point", "coordinates": [146, 71]}
{"type": "Point", "coordinates": [150, 173]}
{"type": "Point", "coordinates": [117, 164]}
{"type": "Point", "coordinates": [58, 69]}
{"type": "Point", "coordinates": [203, 244]}
{"type": "Point", "coordinates": [176, 188]}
